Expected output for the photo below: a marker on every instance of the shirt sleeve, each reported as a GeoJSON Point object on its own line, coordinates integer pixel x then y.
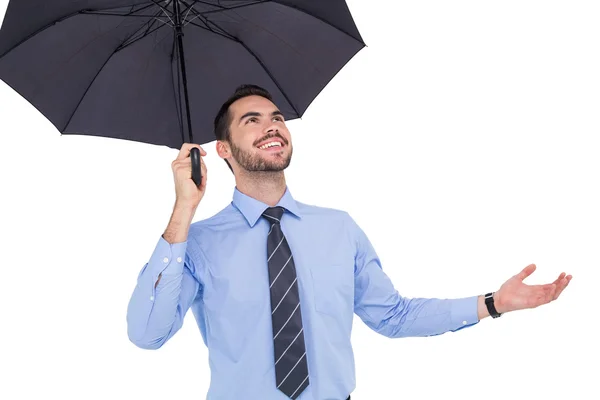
{"type": "Point", "coordinates": [384, 310]}
{"type": "Point", "coordinates": [155, 314]}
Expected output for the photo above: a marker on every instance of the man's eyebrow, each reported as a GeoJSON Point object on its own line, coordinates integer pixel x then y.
{"type": "Point", "coordinates": [257, 114]}
{"type": "Point", "coordinates": [250, 114]}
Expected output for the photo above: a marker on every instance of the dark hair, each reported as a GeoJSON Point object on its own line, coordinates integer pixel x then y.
{"type": "Point", "coordinates": [223, 118]}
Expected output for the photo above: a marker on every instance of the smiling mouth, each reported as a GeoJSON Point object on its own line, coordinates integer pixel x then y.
{"type": "Point", "coordinates": [271, 146]}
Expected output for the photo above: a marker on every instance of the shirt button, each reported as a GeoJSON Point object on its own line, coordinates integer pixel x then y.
{"type": "Point", "coordinates": [151, 298]}
{"type": "Point", "coordinates": [464, 322]}
{"type": "Point", "coordinates": [165, 260]}
{"type": "Point", "coordinates": [178, 259]}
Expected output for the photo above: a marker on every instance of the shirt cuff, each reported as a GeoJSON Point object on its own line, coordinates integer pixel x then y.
{"type": "Point", "coordinates": [464, 312]}
{"type": "Point", "coordinates": [167, 258]}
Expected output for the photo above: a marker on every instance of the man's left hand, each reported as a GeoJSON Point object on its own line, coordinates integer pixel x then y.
{"type": "Point", "coordinates": [515, 295]}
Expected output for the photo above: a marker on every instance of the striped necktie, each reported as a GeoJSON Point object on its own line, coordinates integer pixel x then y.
{"type": "Point", "coordinates": [291, 368]}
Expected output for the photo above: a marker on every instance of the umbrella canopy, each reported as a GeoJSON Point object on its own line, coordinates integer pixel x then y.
{"type": "Point", "coordinates": [150, 71]}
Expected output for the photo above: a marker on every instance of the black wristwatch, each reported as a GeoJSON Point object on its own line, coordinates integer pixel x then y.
{"type": "Point", "coordinates": [489, 302]}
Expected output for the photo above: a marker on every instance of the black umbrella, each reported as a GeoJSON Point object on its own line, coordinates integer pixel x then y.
{"type": "Point", "coordinates": [149, 70]}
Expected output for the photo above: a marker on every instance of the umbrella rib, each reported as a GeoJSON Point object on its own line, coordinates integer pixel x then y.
{"type": "Point", "coordinates": [147, 33]}
{"type": "Point", "coordinates": [131, 12]}
{"type": "Point", "coordinates": [128, 15]}
{"type": "Point", "coordinates": [54, 22]}
{"type": "Point", "coordinates": [98, 73]}
{"type": "Point", "coordinates": [150, 4]}
{"type": "Point", "coordinates": [165, 11]}
{"type": "Point", "coordinates": [196, 12]}
{"type": "Point", "coordinates": [187, 12]}
{"type": "Point", "coordinates": [197, 15]}
{"type": "Point", "coordinates": [223, 9]}
{"type": "Point", "coordinates": [39, 31]}
{"type": "Point", "coordinates": [209, 4]}
{"type": "Point", "coordinates": [117, 15]}
{"type": "Point", "coordinates": [86, 91]}
{"type": "Point", "coordinates": [319, 19]}
{"type": "Point", "coordinates": [205, 21]}
{"type": "Point", "coordinates": [161, 7]}
{"type": "Point", "coordinates": [148, 25]}
{"type": "Point", "coordinates": [260, 62]}
{"type": "Point", "coordinates": [264, 67]}
{"type": "Point", "coordinates": [211, 31]}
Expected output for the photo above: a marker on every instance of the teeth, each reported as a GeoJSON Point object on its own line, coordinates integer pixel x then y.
{"type": "Point", "coordinates": [271, 144]}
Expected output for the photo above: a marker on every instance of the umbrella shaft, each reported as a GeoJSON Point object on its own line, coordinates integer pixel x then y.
{"type": "Point", "coordinates": [179, 34]}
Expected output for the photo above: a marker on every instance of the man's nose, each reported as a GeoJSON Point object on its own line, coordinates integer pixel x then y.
{"type": "Point", "coordinates": [272, 128]}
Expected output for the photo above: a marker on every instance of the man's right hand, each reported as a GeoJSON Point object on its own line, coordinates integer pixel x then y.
{"type": "Point", "coordinates": [188, 195]}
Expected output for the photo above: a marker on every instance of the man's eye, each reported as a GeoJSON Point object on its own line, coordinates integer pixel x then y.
{"type": "Point", "coordinates": [278, 119]}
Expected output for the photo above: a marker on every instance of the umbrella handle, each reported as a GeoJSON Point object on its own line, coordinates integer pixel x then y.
{"type": "Point", "coordinates": [196, 171]}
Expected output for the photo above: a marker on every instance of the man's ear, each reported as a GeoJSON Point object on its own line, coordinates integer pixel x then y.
{"type": "Point", "coordinates": [224, 152]}
{"type": "Point", "coordinates": [222, 149]}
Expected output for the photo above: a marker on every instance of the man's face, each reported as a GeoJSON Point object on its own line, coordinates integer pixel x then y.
{"type": "Point", "coordinates": [260, 140]}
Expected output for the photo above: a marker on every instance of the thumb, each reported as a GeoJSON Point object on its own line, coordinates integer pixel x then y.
{"type": "Point", "coordinates": [528, 270]}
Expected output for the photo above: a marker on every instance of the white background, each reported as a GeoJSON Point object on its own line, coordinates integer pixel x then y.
{"type": "Point", "coordinates": [464, 141]}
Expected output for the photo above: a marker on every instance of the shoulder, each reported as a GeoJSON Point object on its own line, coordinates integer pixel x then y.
{"type": "Point", "coordinates": [328, 214]}
{"type": "Point", "coordinates": [337, 223]}
{"type": "Point", "coordinates": [226, 215]}
{"type": "Point", "coordinates": [334, 218]}
{"type": "Point", "coordinates": [201, 231]}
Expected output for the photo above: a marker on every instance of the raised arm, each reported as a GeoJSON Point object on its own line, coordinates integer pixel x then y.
{"type": "Point", "coordinates": [167, 284]}
{"type": "Point", "coordinates": [165, 290]}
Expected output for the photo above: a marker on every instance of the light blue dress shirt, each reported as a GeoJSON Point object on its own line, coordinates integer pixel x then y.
{"type": "Point", "coordinates": [220, 273]}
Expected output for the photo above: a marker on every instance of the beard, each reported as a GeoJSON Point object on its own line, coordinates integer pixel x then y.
{"type": "Point", "coordinates": [254, 162]}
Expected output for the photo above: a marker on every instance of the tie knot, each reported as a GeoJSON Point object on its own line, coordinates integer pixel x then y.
{"type": "Point", "coordinates": [273, 214]}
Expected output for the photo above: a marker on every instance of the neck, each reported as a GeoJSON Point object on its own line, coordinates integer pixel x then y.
{"type": "Point", "coordinates": [267, 187]}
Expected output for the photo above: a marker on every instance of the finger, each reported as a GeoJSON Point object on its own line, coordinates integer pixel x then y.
{"type": "Point", "coordinates": [559, 279]}
{"type": "Point", "coordinates": [202, 166]}
{"type": "Point", "coordinates": [528, 270]}
{"type": "Point", "coordinates": [203, 172]}
{"type": "Point", "coordinates": [187, 162]}
{"type": "Point", "coordinates": [185, 150]}
{"type": "Point", "coordinates": [564, 283]}
{"type": "Point", "coordinates": [559, 290]}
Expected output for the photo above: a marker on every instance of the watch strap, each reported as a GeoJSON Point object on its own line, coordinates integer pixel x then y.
{"type": "Point", "coordinates": [489, 302]}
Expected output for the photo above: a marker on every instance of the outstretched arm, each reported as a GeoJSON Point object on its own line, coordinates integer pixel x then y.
{"type": "Point", "coordinates": [383, 309]}
{"type": "Point", "coordinates": [387, 312]}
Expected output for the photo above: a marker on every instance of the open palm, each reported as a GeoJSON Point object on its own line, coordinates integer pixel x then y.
{"type": "Point", "coordinates": [514, 294]}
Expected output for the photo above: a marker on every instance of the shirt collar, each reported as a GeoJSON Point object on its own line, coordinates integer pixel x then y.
{"type": "Point", "coordinates": [252, 209]}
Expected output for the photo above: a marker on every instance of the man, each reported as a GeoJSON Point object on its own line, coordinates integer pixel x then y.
{"type": "Point", "coordinates": [273, 283]}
